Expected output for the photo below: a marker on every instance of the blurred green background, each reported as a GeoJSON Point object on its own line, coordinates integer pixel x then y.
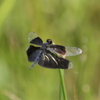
{"type": "Point", "coordinates": [73, 23]}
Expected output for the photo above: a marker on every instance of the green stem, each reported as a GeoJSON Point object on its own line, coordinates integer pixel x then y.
{"type": "Point", "coordinates": [63, 88]}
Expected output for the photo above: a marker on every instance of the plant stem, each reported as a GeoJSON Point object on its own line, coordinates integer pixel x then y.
{"type": "Point", "coordinates": [63, 88]}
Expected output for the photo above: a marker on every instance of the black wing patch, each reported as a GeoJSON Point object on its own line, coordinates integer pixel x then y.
{"type": "Point", "coordinates": [57, 49]}
{"type": "Point", "coordinates": [50, 60]}
{"type": "Point", "coordinates": [32, 53]}
{"type": "Point", "coordinates": [37, 41]}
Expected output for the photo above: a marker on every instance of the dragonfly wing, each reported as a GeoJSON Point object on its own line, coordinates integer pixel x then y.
{"type": "Point", "coordinates": [65, 51]}
{"type": "Point", "coordinates": [32, 35]}
{"type": "Point", "coordinates": [72, 51]}
{"type": "Point", "coordinates": [57, 49]}
{"type": "Point", "coordinates": [34, 39]}
{"type": "Point", "coordinates": [32, 53]}
{"type": "Point", "coordinates": [50, 60]}
{"type": "Point", "coordinates": [37, 41]}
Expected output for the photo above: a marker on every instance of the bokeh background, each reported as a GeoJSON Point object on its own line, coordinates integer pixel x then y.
{"type": "Point", "coordinates": [73, 23]}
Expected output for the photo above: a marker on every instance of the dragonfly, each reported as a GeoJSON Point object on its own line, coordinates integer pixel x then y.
{"type": "Point", "coordinates": [48, 54]}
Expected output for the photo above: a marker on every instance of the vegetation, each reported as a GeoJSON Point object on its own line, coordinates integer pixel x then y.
{"type": "Point", "coordinates": [73, 23]}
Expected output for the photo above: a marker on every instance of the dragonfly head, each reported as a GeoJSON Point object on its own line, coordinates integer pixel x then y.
{"type": "Point", "coordinates": [49, 41]}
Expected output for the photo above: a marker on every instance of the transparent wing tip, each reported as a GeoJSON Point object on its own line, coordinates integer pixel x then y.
{"type": "Point", "coordinates": [31, 36]}
{"type": "Point", "coordinates": [79, 51]}
{"type": "Point", "coordinates": [70, 65]}
{"type": "Point", "coordinates": [72, 51]}
{"type": "Point", "coordinates": [76, 51]}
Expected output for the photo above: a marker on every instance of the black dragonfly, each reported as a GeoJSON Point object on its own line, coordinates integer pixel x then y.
{"type": "Point", "coordinates": [48, 54]}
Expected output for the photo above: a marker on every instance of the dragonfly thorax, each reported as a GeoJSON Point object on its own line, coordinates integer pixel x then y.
{"type": "Point", "coordinates": [44, 46]}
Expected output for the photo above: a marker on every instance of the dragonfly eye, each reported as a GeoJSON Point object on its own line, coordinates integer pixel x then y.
{"type": "Point", "coordinates": [49, 41]}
